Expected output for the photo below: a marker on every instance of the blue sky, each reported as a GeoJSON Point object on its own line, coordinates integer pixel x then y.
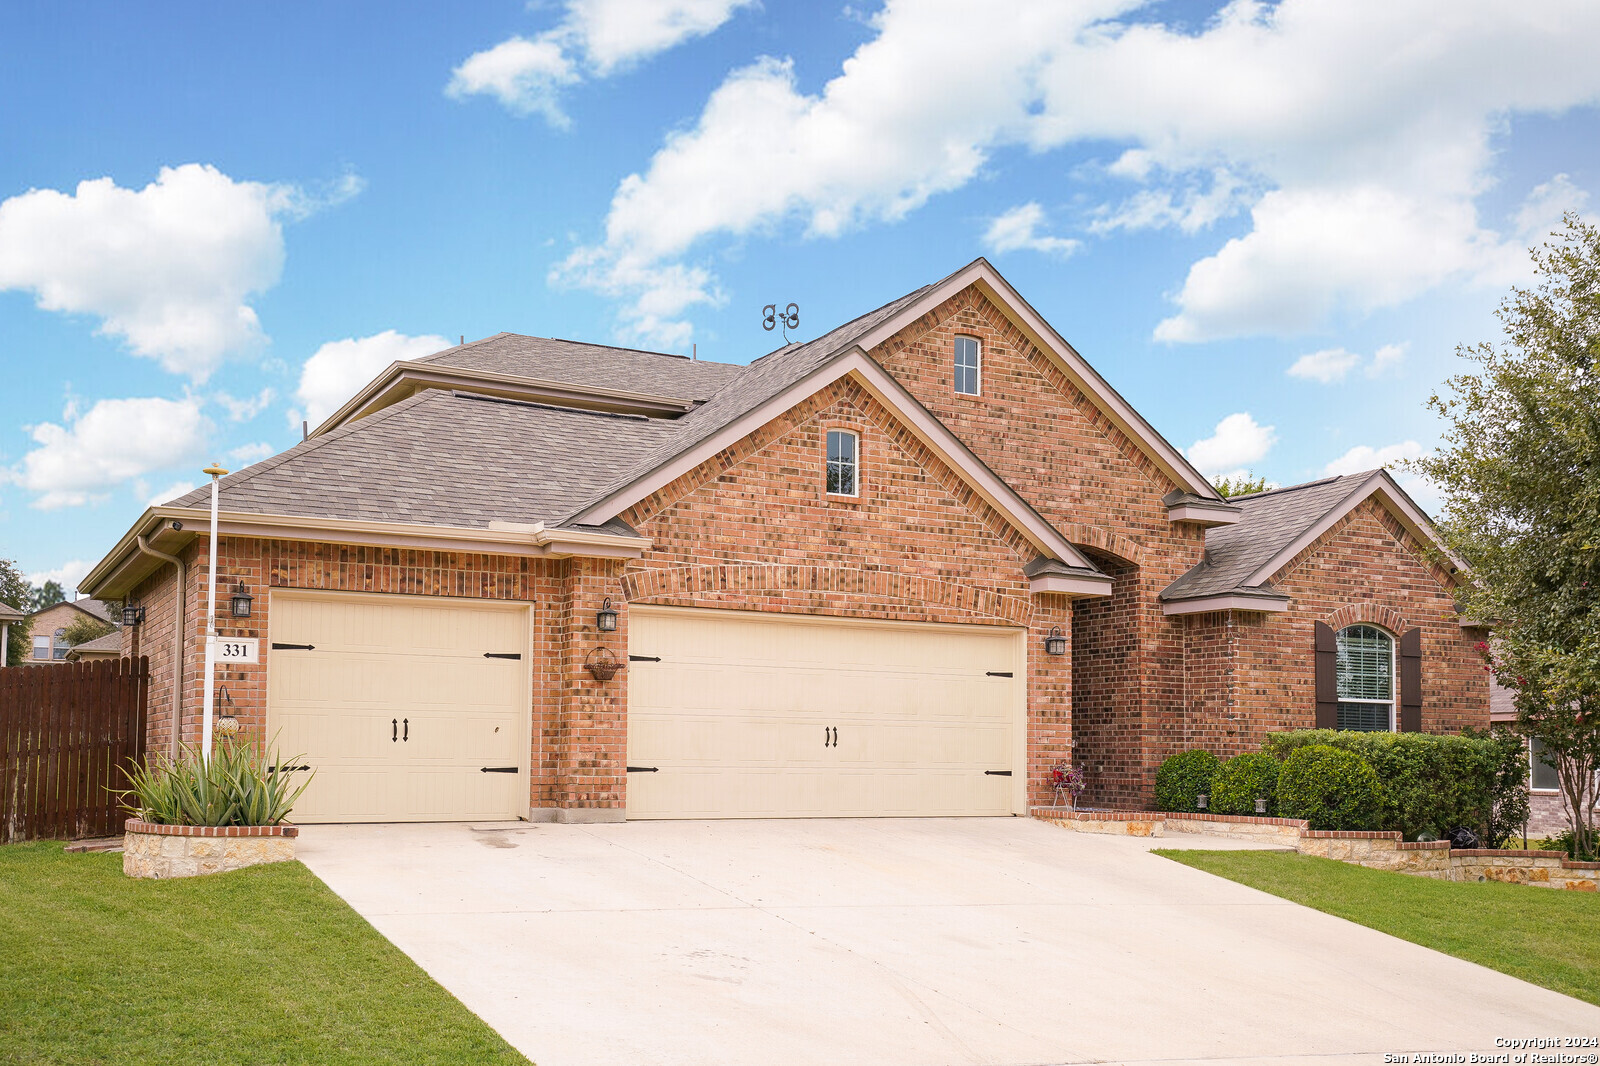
{"type": "Point", "coordinates": [1267, 225]}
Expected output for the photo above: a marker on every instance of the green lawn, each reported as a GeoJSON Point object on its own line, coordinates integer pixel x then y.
{"type": "Point", "coordinates": [264, 965]}
{"type": "Point", "coordinates": [1543, 936]}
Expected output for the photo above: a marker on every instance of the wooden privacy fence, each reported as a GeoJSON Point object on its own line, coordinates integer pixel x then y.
{"type": "Point", "coordinates": [67, 735]}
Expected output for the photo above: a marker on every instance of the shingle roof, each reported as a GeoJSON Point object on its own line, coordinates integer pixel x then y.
{"type": "Point", "coordinates": [762, 380]}
{"type": "Point", "coordinates": [445, 458]}
{"type": "Point", "coordinates": [1270, 522]}
{"type": "Point", "coordinates": [111, 642]}
{"type": "Point", "coordinates": [593, 365]}
{"type": "Point", "coordinates": [97, 608]}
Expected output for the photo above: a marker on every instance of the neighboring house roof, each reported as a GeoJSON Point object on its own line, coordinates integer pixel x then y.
{"type": "Point", "coordinates": [9, 613]}
{"type": "Point", "coordinates": [91, 607]}
{"type": "Point", "coordinates": [597, 365]}
{"type": "Point", "coordinates": [106, 647]}
{"type": "Point", "coordinates": [1278, 524]}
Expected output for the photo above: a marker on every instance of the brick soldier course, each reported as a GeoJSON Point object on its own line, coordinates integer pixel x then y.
{"type": "Point", "coordinates": [561, 475]}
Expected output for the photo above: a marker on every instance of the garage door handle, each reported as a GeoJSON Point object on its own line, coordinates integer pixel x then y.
{"type": "Point", "coordinates": [286, 769]}
{"type": "Point", "coordinates": [497, 769]}
{"type": "Point", "coordinates": [394, 730]}
{"type": "Point", "coordinates": [644, 769]}
{"type": "Point", "coordinates": [293, 647]}
{"type": "Point", "coordinates": [997, 773]}
{"type": "Point", "coordinates": [502, 655]}
{"type": "Point", "coordinates": [997, 673]}
{"type": "Point", "coordinates": [406, 725]}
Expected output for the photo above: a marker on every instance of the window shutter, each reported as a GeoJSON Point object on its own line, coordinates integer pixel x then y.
{"type": "Point", "coordinates": [1327, 677]}
{"type": "Point", "coordinates": [1411, 681]}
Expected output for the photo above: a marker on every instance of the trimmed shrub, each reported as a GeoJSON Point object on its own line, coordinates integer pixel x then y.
{"type": "Point", "coordinates": [1329, 788]}
{"type": "Point", "coordinates": [1182, 777]}
{"type": "Point", "coordinates": [1430, 783]}
{"type": "Point", "coordinates": [1241, 780]}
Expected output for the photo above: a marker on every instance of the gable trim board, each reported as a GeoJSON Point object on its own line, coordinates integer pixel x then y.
{"type": "Point", "coordinates": [981, 274]}
{"type": "Point", "coordinates": [929, 430]}
{"type": "Point", "coordinates": [1240, 600]}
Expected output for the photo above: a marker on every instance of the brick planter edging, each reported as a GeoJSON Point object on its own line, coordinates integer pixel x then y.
{"type": "Point", "coordinates": [1377, 849]}
{"type": "Point", "coordinates": [166, 851]}
{"type": "Point", "coordinates": [134, 825]}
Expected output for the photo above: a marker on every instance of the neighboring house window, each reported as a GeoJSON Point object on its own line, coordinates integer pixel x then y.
{"type": "Point", "coordinates": [41, 647]}
{"type": "Point", "coordinates": [60, 646]}
{"type": "Point", "coordinates": [1365, 663]}
{"type": "Point", "coordinates": [1545, 778]}
{"type": "Point", "coordinates": [843, 463]}
{"type": "Point", "coordinates": [966, 374]}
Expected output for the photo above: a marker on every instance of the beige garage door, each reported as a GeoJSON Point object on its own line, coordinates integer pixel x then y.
{"type": "Point", "coordinates": [738, 715]}
{"type": "Point", "coordinates": [409, 708]}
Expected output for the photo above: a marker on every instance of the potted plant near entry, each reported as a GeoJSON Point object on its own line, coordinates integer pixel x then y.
{"type": "Point", "coordinates": [1069, 782]}
{"type": "Point", "coordinates": [193, 816]}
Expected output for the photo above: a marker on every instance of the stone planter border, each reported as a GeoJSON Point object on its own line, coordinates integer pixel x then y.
{"type": "Point", "coordinates": [166, 851]}
{"type": "Point", "coordinates": [1375, 849]}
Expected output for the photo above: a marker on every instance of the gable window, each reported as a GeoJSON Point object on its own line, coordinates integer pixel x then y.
{"type": "Point", "coordinates": [1365, 665]}
{"type": "Point", "coordinates": [966, 368]}
{"type": "Point", "coordinates": [844, 474]}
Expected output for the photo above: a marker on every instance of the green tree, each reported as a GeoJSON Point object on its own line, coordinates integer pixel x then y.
{"type": "Point", "coordinates": [84, 629]}
{"type": "Point", "coordinates": [1243, 485]}
{"type": "Point", "coordinates": [46, 595]}
{"type": "Point", "coordinates": [1520, 478]}
{"type": "Point", "coordinates": [15, 591]}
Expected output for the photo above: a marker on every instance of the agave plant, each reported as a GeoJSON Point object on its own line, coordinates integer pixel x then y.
{"type": "Point", "coordinates": [242, 785]}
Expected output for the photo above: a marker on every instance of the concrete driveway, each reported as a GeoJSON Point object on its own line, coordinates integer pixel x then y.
{"type": "Point", "coordinates": [898, 941]}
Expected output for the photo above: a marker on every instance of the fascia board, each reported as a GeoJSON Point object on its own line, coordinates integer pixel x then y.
{"type": "Point", "coordinates": [893, 396]}
{"type": "Point", "coordinates": [1204, 514]}
{"type": "Point", "coordinates": [1393, 498]}
{"type": "Point", "coordinates": [1077, 369]}
{"type": "Point", "coordinates": [1070, 585]}
{"type": "Point", "coordinates": [1228, 601]}
{"type": "Point", "coordinates": [401, 373]}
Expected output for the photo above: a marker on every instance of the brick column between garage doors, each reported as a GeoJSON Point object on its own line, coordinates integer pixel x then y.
{"type": "Point", "coordinates": [591, 734]}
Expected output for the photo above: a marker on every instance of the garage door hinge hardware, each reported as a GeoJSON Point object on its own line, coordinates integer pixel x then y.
{"type": "Point", "coordinates": [997, 673]}
{"type": "Point", "coordinates": [644, 658]}
{"type": "Point", "coordinates": [497, 769]}
{"type": "Point", "coordinates": [502, 655]}
{"type": "Point", "coordinates": [293, 647]}
{"type": "Point", "coordinates": [644, 769]}
{"type": "Point", "coordinates": [997, 773]}
{"type": "Point", "coordinates": [827, 741]}
{"type": "Point", "coordinates": [286, 769]}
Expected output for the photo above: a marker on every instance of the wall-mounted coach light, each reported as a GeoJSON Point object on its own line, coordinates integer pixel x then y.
{"type": "Point", "coordinates": [1055, 643]}
{"type": "Point", "coordinates": [605, 619]}
{"type": "Point", "coordinates": [132, 616]}
{"type": "Point", "coordinates": [240, 601]}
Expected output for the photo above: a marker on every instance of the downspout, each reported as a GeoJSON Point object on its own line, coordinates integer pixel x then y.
{"type": "Point", "coordinates": [177, 643]}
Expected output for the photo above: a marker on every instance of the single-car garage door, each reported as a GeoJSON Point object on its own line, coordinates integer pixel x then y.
{"type": "Point", "coordinates": [740, 715]}
{"type": "Point", "coordinates": [408, 708]}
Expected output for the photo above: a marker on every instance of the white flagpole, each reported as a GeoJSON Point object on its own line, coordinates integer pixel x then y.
{"type": "Point", "coordinates": [216, 472]}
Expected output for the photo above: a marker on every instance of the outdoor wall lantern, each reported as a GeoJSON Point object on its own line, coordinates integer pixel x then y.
{"type": "Point", "coordinates": [240, 601]}
{"type": "Point", "coordinates": [132, 616]}
{"type": "Point", "coordinates": [1055, 643]}
{"type": "Point", "coordinates": [226, 724]}
{"type": "Point", "coordinates": [605, 619]}
{"type": "Point", "coordinates": [1202, 801]}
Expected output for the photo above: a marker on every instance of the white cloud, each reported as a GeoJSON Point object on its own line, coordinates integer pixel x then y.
{"type": "Point", "coordinates": [1017, 230]}
{"type": "Point", "coordinates": [246, 454]}
{"type": "Point", "coordinates": [596, 38]}
{"type": "Point", "coordinates": [170, 493]}
{"type": "Point", "coordinates": [246, 409]}
{"type": "Point", "coordinates": [1365, 457]}
{"type": "Point", "coordinates": [1326, 366]}
{"type": "Point", "coordinates": [170, 268]}
{"type": "Point", "coordinates": [1237, 442]}
{"type": "Point", "coordinates": [338, 369]}
{"type": "Point", "coordinates": [114, 442]}
{"type": "Point", "coordinates": [67, 575]}
{"type": "Point", "coordinates": [1334, 364]}
{"type": "Point", "coordinates": [1357, 133]}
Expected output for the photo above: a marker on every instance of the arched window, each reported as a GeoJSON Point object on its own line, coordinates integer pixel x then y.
{"type": "Point", "coordinates": [1365, 664]}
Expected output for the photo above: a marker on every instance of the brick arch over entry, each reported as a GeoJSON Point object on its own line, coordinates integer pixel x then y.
{"type": "Point", "coordinates": [1103, 541]}
{"type": "Point", "coordinates": [688, 581]}
{"type": "Point", "coordinates": [1352, 613]}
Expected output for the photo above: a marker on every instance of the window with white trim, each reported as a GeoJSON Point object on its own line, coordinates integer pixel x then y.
{"type": "Point", "coordinates": [1365, 665]}
{"type": "Point", "coordinates": [1544, 777]}
{"type": "Point", "coordinates": [967, 357]}
{"type": "Point", "coordinates": [41, 647]}
{"type": "Point", "coordinates": [61, 647]}
{"type": "Point", "coordinates": [844, 463]}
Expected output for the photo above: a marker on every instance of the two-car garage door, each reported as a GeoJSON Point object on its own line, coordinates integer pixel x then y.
{"type": "Point", "coordinates": [740, 715]}
{"type": "Point", "coordinates": [408, 708]}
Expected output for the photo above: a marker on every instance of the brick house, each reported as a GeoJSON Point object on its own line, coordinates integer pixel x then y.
{"type": "Point", "coordinates": [49, 627]}
{"type": "Point", "coordinates": [905, 568]}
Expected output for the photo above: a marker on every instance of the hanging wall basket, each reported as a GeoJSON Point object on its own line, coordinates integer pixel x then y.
{"type": "Point", "coordinates": [602, 664]}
